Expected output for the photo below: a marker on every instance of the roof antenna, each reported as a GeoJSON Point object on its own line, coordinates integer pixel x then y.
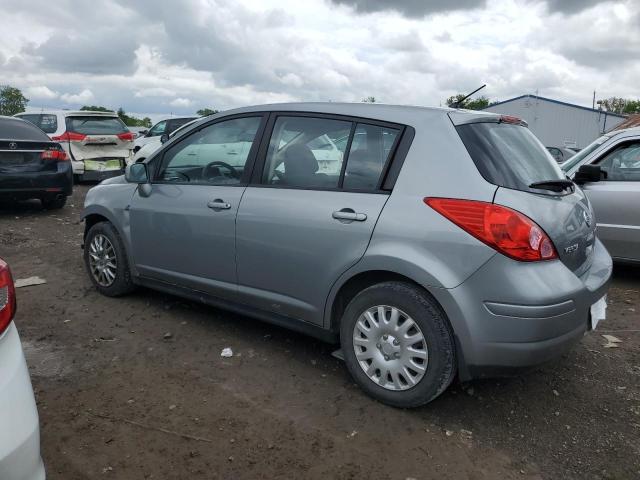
{"type": "Point", "coordinates": [459, 102]}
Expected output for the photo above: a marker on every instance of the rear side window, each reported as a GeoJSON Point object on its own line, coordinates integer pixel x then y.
{"type": "Point", "coordinates": [304, 152]}
{"type": "Point", "coordinates": [46, 122]}
{"type": "Point", "coordinates": [91, 125]}
{"type": "Point", "coordinates": [14, 129]}
{"type": "Point", "coordinates": [509, 155]}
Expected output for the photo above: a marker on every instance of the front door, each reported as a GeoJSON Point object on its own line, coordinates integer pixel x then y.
{"type": "Point", "coordinates": [616, 200]}
{"type": "Point", "coordinates": [310, 214]}
{"type": "Point", "coordinates": [183, 232]}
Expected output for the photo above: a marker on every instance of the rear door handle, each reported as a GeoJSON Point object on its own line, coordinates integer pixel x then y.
{"type": "Point", "coordinates": [218, 204]}
{"type": "Point", "coordinates": [349, 215]}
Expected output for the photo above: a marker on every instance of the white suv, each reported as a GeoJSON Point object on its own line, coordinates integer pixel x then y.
{"type": "Point", "coordinates": [99, 144]}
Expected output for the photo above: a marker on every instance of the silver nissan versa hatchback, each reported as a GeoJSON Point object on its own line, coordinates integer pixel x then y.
{"type": "Point", "coordinates": [430, 242]}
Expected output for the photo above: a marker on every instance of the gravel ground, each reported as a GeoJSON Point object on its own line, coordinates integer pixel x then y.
{"type": "Point", "coordinates": [135, 388]}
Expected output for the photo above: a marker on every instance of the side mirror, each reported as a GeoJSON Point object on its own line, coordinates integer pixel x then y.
{"type": "Point", "coordinates": [589, 173]}
{"type": "Point", "coordinates": [143, 132]}
{"type": "Point", "coordinates": [164, 138]}
{"type": "Point", "coordinates": [136, 173]}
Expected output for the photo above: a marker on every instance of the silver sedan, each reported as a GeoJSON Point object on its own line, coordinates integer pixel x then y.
{"type": "Point", "coordinates": [609, 172]}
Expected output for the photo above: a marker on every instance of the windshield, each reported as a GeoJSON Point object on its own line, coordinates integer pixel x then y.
{"type": "Point", "coordinates": [509, 155]}
{"type": "Point", "coordinates": [577, 158]}
{"type": "Point", "coordinates": [94, 125]}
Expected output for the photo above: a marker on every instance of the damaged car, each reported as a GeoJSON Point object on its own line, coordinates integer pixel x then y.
{"type": "Point", "coordinates": [99, 144]}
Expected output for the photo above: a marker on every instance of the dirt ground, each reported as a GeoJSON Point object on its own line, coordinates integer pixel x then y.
{"type": "Point", "coordinates": [135, 388]}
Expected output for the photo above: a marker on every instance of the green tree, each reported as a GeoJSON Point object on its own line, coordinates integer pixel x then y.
{"type": "Point", "coordinates": [479, 103]}
{"type": "Point", "coordinates": [95, 108]}
{"type": "Point", "coordinates": [632, 106]}
{"type": "Point", "coordinates": [369, 100]}
{"type": "Point", "coordinates": [204, 112]}
{"type": "Point", "coordinates": [130, 121]}
{"type": "Point", "coordinates": [12, 100]}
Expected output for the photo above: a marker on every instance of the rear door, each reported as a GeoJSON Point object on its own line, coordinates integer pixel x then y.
{"type": "Point", "coordinates": [616, 199]}
{"type": "Point", "coordinates": [508, 155]}
{"type": "Point", "coordinates": [300, 225]}
{"type": "Point", "coordinates": [101, 142]}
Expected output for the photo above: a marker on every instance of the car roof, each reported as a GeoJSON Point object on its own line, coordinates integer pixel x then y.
{"type": "Point", "coordinates": [70, 113]}
{"type": "Point", "coordinates": [407, 114]}
{"type": "Point", "coordinates": [625, 131]}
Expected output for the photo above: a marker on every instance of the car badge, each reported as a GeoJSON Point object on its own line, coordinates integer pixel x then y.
{"type": "Point", "coordinates": [13, 145]}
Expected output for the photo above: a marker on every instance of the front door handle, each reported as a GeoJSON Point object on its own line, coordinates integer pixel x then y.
{"type": "Point", "coordinates": [349, 215]}
{"type": "Point", "coordinates": [218, 204]}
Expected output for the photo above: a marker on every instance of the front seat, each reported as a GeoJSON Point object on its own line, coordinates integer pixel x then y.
{"type": "Point", "coordinates": [300, 167]}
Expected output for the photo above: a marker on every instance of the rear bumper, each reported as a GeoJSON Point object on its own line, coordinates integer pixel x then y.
{"type": "Point", "coordinates": [511, 316]}
{"type": "Point", "coordinates": [97, 175]}
{"type": "Point", "coordinates": [19, 426]}
{"type": "Point", "coordinates": [26, 185]}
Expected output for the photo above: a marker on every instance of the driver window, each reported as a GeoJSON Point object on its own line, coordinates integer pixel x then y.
{"type": "Point", "coordinates": [623, 163]}
{"type": "Point", "coordinates": [215, 155]}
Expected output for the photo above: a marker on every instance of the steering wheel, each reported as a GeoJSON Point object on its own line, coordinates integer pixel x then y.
{"type": "Point", "coordinates": [208, 170]}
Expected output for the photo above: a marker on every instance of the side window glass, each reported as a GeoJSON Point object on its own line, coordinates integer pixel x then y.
{"type": "Point", "coordinates": [623, 163]}
{"type": "Point", "coordinates": [48, 123]}
{"type": "Point", "coordinates": [215, 155]}
{"type": "Point", "coordinates": [370, 149]}
{"type": "Point", "coordinates": [306, 152]}
{"type": "Point", "coordinates": [158, 129]}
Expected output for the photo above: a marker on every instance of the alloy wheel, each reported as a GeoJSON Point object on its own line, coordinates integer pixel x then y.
{"type": "Point", "coordinates": [102, 260]}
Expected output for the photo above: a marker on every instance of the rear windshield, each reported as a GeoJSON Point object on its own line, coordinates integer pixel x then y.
{"type": "Point", "coordinates": [47, 122]}
{"type": "Point", "coordinates": [90, 125]}
{"type": "Point", "coordinates": [14, 129]}
{"type": "Point", "coordinates": [509, 155]}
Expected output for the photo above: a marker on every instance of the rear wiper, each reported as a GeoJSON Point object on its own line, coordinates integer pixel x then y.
{"type": "Point", "coordinates": [553, 185]}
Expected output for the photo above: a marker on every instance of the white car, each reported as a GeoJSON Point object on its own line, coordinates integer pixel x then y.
{"type": "Point", "coordinates": [19, 425]}
{"type": "Point", "coordinates": [167, 126]}
{"type": "Point", "coordinates": [99, 144]}
{"type": "Point", "coordinates": [154, 143]}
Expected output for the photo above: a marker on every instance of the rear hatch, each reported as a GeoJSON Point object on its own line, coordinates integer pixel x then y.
{"type": "Point", "coordinates": [509, 156]}
{"type": "Point", "coordinates": [102, 142]}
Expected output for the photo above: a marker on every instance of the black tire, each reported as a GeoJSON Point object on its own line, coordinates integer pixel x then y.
{"type": "Point", "coordinates": [437, 332]}
{"type": "Point", "coordinates": [123, 283]}
{"type": "Point", "coordinates": [53, 203]}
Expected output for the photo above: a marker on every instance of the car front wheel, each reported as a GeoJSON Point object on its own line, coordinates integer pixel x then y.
{"type": "Point", "coordinates": [398, 344]}
{"type": "Point", "coordinates": [106, 261]}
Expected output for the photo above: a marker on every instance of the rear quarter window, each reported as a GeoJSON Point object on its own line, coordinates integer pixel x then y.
{"type": "Point", "coordinates": [91, 125]}
{"type": "Point", "coordinates": [508, 155]}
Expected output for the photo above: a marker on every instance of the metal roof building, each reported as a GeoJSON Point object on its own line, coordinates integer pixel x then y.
{"type": "Point", "coordinates": [558, 123]}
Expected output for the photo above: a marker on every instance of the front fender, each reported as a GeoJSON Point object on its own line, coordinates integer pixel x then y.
{"type": "Point", "coordinates": [112, 202]}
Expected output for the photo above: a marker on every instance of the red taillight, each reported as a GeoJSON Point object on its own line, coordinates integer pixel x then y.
{"type": "Point", "coordinates": [507, 231]}
{"type": "Point", "coordinates": [7, 296]}
{"type": "Point", "coordinates": [70, 137]}
{"type": "Point", "coordinates": [57, 155]}
{"type": "Point", "coordinates": [128, 136]}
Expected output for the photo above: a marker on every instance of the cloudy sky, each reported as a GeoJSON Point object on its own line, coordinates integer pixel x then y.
{"type": "Point", "coordinates": [157, 57]}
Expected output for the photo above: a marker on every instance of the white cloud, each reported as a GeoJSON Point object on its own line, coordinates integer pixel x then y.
{"type": "Point", "coordinates": [84, 96]}
{"type": "Point", "coordinates": [190, 54]}
{"type": "Point", "coordinates": [39, 92]}
{"type": "Point", "coordinates": [181, 102]}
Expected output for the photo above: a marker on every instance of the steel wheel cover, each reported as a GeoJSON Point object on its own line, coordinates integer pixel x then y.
{"type": "Point", "coordinates": [390, 347]}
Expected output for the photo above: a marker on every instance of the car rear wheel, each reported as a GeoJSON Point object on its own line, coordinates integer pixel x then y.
{"type": "Point", "coordinates": [106, 261]}
{"type": "Point", "coordinates": [53, 203]}
{"type": "Point", "coordinates": [398, 344]}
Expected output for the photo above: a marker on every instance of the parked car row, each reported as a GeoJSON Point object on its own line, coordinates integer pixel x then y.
{"type": "Point", "coordinates": [420, 272]}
